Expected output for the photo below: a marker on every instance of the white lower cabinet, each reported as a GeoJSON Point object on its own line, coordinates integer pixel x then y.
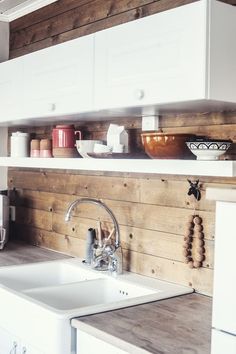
{"type": "Point", "coordinates": [11, 344]}
{"type": "Point", "coordinates": [87, 343]}
{"type": "Point", "coordinates": [222, 343]}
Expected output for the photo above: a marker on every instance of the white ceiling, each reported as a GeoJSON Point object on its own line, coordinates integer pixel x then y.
{"type": "Point", "coordinates": [12, 9]}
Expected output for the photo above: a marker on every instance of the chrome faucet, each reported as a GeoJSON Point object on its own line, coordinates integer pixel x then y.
{"type": "Point", "coordinates": [109, 254]}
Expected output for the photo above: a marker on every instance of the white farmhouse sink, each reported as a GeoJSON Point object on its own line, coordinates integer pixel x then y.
{"type": "Point", "coordinates": [42, 298]}
{"type": "Point", "coordinates": [89, 294]}
{"type": "Point", "coordinates": [44, 274]}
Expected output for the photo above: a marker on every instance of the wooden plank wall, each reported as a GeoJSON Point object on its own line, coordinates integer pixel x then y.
{"type": "Point", "coordinates": [151, 210]}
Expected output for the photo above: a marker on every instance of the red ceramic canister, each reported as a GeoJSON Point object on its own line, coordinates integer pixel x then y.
{"type": "Point", "coordinates": [64, 136]}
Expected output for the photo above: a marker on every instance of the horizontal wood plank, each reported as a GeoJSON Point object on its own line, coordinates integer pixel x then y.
{"type": "Point", "coordinates": [153, 266]}
{"type": "Point", "coordinates": [80, 22]}
{"type": "Point", "coordinates": [145, 216]}
{"type": "Point", "coordinates": [152, 210]}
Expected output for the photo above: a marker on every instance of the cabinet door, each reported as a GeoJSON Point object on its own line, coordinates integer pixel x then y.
{"type": "Point", "coordinates": [222, 343]}
{"type": "Point", "coordinates": [59, 79]}
{"type": "Point", "coordinates": [86, 343]}
{"type": "Point", "coordinates": [157, 59]}
{"type": "Point", "coordinates": [28, 349]}
{"type": "Point", "coordinates": [11, 79]}
{"type": "Point", "coordinates": [224, 287]}
{"type": "Point", "coordinates": [9, 344]}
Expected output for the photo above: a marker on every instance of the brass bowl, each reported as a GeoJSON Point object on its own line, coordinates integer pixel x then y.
{"type": "Point", "coordinates": [159, 145]}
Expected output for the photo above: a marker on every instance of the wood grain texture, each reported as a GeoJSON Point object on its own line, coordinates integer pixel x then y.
{"type": "Point", "coordinates": [86, 19]}
{"type": "Point", "coordinates": [178, 325]}
{"type": "Point", "coordinates": [152, 210]}
{"type": "Point", "coordinates": [151, 232]}
{"type": "Point", "coordinates": [16, 253]}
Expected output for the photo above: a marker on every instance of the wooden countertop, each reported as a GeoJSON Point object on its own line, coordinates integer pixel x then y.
{"type": "Point", "coordinates": [180, 325]}
{"type": "Point", "coordinates": [19, 253]}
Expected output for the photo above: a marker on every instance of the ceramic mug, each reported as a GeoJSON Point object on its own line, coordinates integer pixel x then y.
{"type": "Point", "coordinates": [64, 136]}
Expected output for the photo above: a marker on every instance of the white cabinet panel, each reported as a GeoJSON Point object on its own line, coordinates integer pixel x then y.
{"type": "Point", "coordinates": [59, 79]}
{"type": "Point", "coordinates": [28, 349]}
{"type": "Point", "coordinates": [11, 82]}
{"type": "Point", "coordinates": [87, 343]}
{"type": "Point", "coordinates": [9, 344]}
{"type": "Point", "coordinates": [157, 59]}
{"type": "Point", "coordinates": [222, 343]}
{"type": "Point", "coordinates": [224, 290]}
{"type": "Point", "coordinates": [222, 52]}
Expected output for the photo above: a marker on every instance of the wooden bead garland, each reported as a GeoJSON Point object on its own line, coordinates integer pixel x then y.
{"type": "Point", "coordinates": [194, 227]}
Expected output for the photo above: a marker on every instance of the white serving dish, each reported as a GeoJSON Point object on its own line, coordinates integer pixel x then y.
{"type": "Point", "coordinates": [208, 150]}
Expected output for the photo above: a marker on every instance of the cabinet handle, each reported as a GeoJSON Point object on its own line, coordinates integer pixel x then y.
{"type": "Point", "coordinates": [139, 94]}
{"type": "Point", "coordinates": [52, 107]}
{"type": "Point", "coordinates": [13, 349]}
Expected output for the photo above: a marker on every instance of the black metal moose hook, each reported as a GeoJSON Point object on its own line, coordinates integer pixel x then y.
{"type": "Point", "coordinates": [194, 189]}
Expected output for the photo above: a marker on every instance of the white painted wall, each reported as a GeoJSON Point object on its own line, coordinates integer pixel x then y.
{"type": "Point", "coordinates": [4, 41]}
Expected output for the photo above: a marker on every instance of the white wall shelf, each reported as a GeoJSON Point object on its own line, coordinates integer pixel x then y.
{"type": "Point", "coordinates": [173, 167]}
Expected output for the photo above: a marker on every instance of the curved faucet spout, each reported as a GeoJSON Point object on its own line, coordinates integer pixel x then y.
{"type": "Point", "coordinates": [100, 204]}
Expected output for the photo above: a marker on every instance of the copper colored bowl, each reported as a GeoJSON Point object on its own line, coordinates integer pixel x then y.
{"type": "Point", "coordinates": [166, 146]}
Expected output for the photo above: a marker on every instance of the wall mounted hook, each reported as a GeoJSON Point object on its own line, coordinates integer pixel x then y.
{"type": "Point", "coordinates": [194, 189]}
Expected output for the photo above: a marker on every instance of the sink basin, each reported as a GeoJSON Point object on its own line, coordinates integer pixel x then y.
{"type": "Point", "coordinates": [48, 295]}
{"type": "Point", "coordinates": [44, 274]}
{"type": "Point", "coordinates": [89, 294]}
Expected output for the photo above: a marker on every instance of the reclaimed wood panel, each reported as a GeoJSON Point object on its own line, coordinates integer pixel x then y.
{"type": "Point", "coordinates": [152, 210]}
{"type": "Point", "coordinates": [34, 217]}
{"type": "Point", "coordinates": [114, 188]}
{"type": "Point", "coordinates": [46, 13]}
{"type": "Point", "coordinates": [85, 19]}
{"type": "Point", "coordinates": [89, 12]}
{"type": "Point", "coordinates": [200, 279]}
{"type": "Point", "coordinates": [50, 240]}
{"type": "Point", "coordinates": [146, 264]}
{"type": "Point", "coordinates": [159, 190]}
{"type": "Point", "coordinates": [147, 216]}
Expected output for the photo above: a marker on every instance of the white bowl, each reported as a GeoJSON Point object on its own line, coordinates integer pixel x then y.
{"type": "Point", "coordinates": [85, 146]}
{"type": "Point", "coordinates": [100, 148]}
{"type": "Point", "coordinates": [208, 150]}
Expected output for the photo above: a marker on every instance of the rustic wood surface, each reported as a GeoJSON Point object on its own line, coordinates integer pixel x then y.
{"type": "Point", "coordinates": [16, 253]}
{"type": "Point", "coordinates": [152, 214]}
{"type": "Point", "coordinates": [152, 210]}
{"type": "Point", "coordinates": [181, 325]}
{"type": "Point", "coordinates": [67, 19]}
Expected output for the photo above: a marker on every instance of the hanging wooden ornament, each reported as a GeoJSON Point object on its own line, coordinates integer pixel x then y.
{"type": "Point", "coordinates": [194, 232]}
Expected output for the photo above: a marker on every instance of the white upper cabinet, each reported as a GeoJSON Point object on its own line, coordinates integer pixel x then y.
{"type": "Point", "coordinates": [179, 60]}
{"type": "Point", "coordinates": [11, 83]}
{"type": "Point", "coordinates": [176, 56]}
{"type": "Point", "coordinates": [59, 80]}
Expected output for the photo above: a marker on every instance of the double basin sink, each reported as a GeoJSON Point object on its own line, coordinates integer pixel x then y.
{"type": "Point", "coordinates": [38, 301]}
{"type": "Point", "coordinates": [71, 288]}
